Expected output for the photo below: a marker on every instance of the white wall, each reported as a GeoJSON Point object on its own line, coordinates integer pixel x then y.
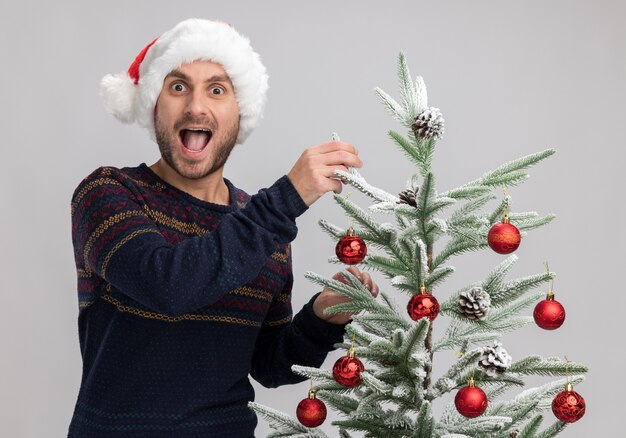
{"type": "Point", "coordinates": [510, 77]}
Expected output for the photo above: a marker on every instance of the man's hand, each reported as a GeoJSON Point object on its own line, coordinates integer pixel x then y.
{"type": "Point", "coordinates": [314, 172]}
{"type": "Point", "coordinates": [329, 297]}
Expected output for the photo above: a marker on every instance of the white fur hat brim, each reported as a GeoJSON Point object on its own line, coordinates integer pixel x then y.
{"type": "Point", "coordinates": [190, 40]}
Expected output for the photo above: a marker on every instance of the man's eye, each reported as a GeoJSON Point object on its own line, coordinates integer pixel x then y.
{"type": "Point", "coordinates": [217, 90]}
{"type": "Point", "coordinates": [178, 87]}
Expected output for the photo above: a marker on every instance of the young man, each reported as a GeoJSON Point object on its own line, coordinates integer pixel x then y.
{"type": "Point", "coordinates": [184, 280]}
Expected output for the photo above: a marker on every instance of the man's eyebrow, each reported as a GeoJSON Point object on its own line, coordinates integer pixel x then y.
{"type": "Point", "coordinates": [218, 78]}
{"type": "Point", "coordinates": [215, 78]}
{"type": "Point", "coordinates": [178, 74]}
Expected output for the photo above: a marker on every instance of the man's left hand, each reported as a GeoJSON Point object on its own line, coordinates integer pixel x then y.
{"type": "Point", "coordinates": [329, 297]}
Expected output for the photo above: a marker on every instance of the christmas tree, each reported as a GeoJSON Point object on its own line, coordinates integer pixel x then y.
{"type": "Point", "coordinates": [391, 393]}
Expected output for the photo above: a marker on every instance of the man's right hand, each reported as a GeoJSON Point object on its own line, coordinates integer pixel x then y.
{"type": "Point", "coordinates": [314, 172]}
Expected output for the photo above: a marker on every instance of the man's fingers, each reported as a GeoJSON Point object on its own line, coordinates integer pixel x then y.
{"type": "Point", "coordinates": [365, 278]}
{"type": "Point", "coordinates": [368, 282]}
{"type": "Point", "coordinates": [354, 271]}
{"type": "Point", "coordinates": [336, 185]}
{"type": "Point", "coordinates": [329, 171]}
{"type": "Point", "coordinates": [373, 288]}
{"type": "Point", "coordinates": [334, 146]}
{"type": "Point", "coordinates": [351, 269]}
{"type": "Point", "coordinates": [338, 276]}
{"type": "Point", "coordinates": [313, 174]}
{"type": "Point", "coordinates": [339, 157]}
{"type": "Point", "coordinates": [319, 156]}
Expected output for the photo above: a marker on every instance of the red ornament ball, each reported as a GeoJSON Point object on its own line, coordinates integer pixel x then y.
{"type": "Point", "coordinates": [311, 412]}
{"type": "Point", "coordinates": [568, 405]}
{"type": "Point", "coordinates": [347, 371]}
{"type": "Point", "coordinates": [504, 238]}
{"type": "Point", "coordinates": [423, 305]}
{"type": "Point", "coordinates": [351, 249]}
{"type": "Point", "coordinates": [471, 401]}
{"type": "Point", "coordinates": [549, 314]}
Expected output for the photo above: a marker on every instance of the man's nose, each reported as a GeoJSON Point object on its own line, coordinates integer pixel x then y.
{"type": "Point", "coordinates": [197, 104]}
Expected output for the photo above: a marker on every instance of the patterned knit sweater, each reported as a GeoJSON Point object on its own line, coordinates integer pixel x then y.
{"type": "Point", "coordinates": [180, 300]}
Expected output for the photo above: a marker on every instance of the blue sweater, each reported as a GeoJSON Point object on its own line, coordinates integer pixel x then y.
{"type": "Point", "coordinates": [180, 300]}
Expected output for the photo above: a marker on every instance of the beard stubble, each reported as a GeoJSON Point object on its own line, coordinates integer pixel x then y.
{"type": "Point", "coordinates": [222, 145]}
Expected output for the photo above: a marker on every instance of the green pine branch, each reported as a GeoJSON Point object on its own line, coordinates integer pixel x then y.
{"type": "Point", "coordinates": [438, 276]}
{"type": "Point", "coordinates": [449, 380]}
{"type": "Point", "coordinates": [505, 378]}
{"type": "Point", "coordinates": [531, 429]}
{"type": "Point", "coordinates": [426, 150]}
{"type": "Point", "coordinates": [318, 375]}
{"type": "Point", "coordinates": [493, 178]}
{"type": "Point", "coordinates": [372, 428]}
{"type": "Point", "coordinates": [285, 424]}
{"type": "Point", "coordinates": [513, 289]}
{"type": "Point", "coordinates": [394, 108]}
{"type": "Point", "coordinates": [391, 267]}
{"type": "Point", "coordinates": [377, 386]}
{"type": "Point", "coordinates": [499, 211]}
{"type": "Point", "coordinates": [354, 178]}
{"type": "Point", "coordinates": [467, 192]}
{"type": "Point", "coordinates": [553, 430]}
{"type": "Point", "coordinates": [479, 426]}
{"type": "Point", "coordinates": [465, 335]}
{"type": "Point", "coordinates": [425, 196]}
{"type": "Point", "coordinates": [459, 216]}
{"type": "Point", "coordinates": [531, 401]}
{"type": "Point", "coordinates": [456, 247]}
{"type": "Point", "coordinates": [414, 341]}
{"type": "Point", "coordinates": [425, 423]}
{"type": "Point", "coordinates": [409, 150]}
{"type": "Point", "coordinates": [533, 223]}
{"type": "Point", "coordinates": [408, 91]}
{"type": "Point", "coordinates": [361, 216]}
{"type": "Point", "coordinates": [340, 402]}
{"type": "Point", "coordinates": [494, 280]}
{"type": "Point", "coordinates": [546, 366]}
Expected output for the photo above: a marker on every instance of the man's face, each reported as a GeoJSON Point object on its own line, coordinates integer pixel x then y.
{"type": "Point", "coordinates": [196, 119]}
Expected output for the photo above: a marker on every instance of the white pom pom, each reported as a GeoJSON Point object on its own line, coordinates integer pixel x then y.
{"type": "Point", "coordinates": [118, 92]}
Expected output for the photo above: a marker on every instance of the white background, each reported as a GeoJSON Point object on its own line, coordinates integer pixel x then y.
{"type": "Point", "coordinates": [511, 78]}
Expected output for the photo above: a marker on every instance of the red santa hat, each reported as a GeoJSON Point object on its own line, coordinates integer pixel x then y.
{"type": "Point", "coordinates": [131, 95]}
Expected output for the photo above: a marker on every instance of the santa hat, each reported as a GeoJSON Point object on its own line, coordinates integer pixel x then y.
{"type": "Point", "coordinates": [131, 95]}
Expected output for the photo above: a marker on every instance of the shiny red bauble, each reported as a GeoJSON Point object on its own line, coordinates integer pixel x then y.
{"type": "Point", "coordinates": [351, 249]}
{"type": "Point", "coordinates": [423, 305]}
{"type": "Point", "coordinates": [549, 314]}
{"type": "Point", "coordinates": [504, 238]}
{"type": "Point", "coordinates": [568, 405]}
{"type": "Point", "coordinates": [311, 412]}
{"type": "Point", "coordinates": [347, 370]}
{"type": "Point", "coordinates": [471, 401]}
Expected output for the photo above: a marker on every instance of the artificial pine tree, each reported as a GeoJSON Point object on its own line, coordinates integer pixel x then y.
{"type": "Point", "coordinates": [396, 391]}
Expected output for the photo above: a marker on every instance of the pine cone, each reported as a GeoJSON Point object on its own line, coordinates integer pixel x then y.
{"type": "Point", "coordinates": [408, 197]}
{"type": "Point", "coordinates": [474, 303]}
{"type": "Point", "coordinates": [429, 124]}
{"type": "Point", "coordinates": [495, 360]}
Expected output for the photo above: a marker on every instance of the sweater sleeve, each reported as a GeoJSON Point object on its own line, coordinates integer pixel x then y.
{"type": "Point", "coordinates": [116, 240]}
{"type": "Point", "coordinates": [304, 340]}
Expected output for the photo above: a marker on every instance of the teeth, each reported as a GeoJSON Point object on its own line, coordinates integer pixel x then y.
{"type": "Point", "coordinates": [198, 129]}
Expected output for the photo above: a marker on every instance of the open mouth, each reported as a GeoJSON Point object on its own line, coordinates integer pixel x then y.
{"type": "Point", "coordinates": [195, 139]}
